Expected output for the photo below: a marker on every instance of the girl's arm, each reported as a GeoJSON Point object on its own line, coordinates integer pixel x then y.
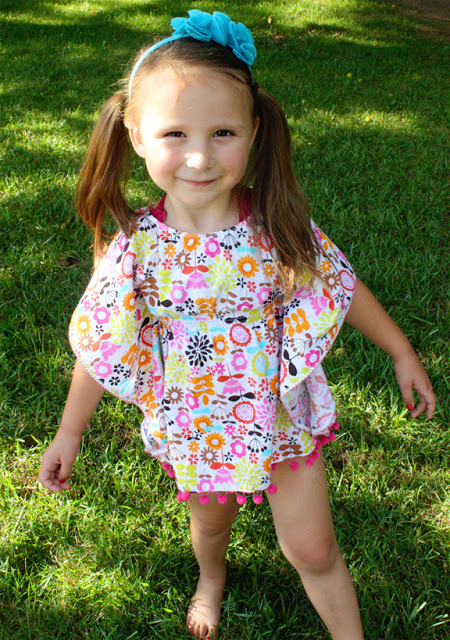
{"type": "Point", "coordinates": [57, 462]}
{"type": "Point", "coordinates": [367, 316]}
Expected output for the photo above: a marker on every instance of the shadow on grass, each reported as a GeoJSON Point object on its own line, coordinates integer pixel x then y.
{"type": "Point", "coordinates": [393, 559]}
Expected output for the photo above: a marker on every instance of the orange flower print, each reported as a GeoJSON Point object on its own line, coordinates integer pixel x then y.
{"type": "Point", "coordinates": [83, 324]}
{"type": "Point", "coordinates": [268, 465]}
{"type": "Point", "coordinates": [85, 342]}
{"type": "Point", "coordinates": [207, 306]}
{"type": "Point", "coordinates": [170, 250]}
{"type": "Point", "coordinates": [325, 266]}
{"type": "Point", "coordinates": [220, 345]}
{"type": "Point", "coordinates": [274, 386]}
{"type": "Point", "coordinates": [248, 266]}
{"type": "Point", "coordinates": [269, 269]}
{"type": "Point", "coordinates": [296, 323]}
{"type": "Point", "coordinates": [144, 358]}
{"type": "Point", "coordinates": [193, 446]}
{"type": "Point", "coordinates": [215, 441]}
{"type": "Point", "coordinates": [191, 241]}
{"type": "Point", "coordinates": [129, 302]}
{"type": "Point", "coordinates": [202, 423]}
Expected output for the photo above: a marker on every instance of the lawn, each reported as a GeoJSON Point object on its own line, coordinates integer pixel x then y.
{"type": "Point", "coordinates": [363, 85]}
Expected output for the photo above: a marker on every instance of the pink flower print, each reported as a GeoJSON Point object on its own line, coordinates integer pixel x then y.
{"type": "Point", "coordinates": [179, 335]}
{"type": "Point", "coordinates": [183, 419]}
{"type": "Point", "coordinates": [205, 485]}
{"type": "Point", "coordinates": [223, 476]}
{"type": "Point", "coordinates": [122, 242]}
{"type": "Point", "coordinates": [263, 294]}
{"type": "Point", "coordinates": [138, 315]}
{"type": "Point", "coordinates": [108, 349]}
{"type": "Point", "coordinates": [312, 358]}
{"type": "Point", "coordinates": [233, 386]}
{"type": "Point", "coordinates": [101, 315]}
{"type": "Point", "coordinates": [103, 369]}
{"type": "Point", "coordinates": [212, 248]}
{"type": "Point", "coordinates": [265, 413]}
{"type": "Point", "coordinates": [239, 361]}
{"type": "Point", "coordinates": [87, 305]}
{"type": "Point", "coordinates": [230, 430]}
{"type": "Point", "coordinates": [238, 449]}
{"type": "Point", "coordinates": [178, 294]}
{"type": "Point", "coordinates": [244, 306]}
{"type": "Point", "coordinates": [196, 281]}
{"type": "Point", "coordinates": [319, 303]}
{"type": "Point", "coordinates": [191, 401]}
{"type": "Point", "coordinates": [219, 368]}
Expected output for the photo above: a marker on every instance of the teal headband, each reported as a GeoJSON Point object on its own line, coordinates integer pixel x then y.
{"type": "Point", "coordinates": [205, 27]}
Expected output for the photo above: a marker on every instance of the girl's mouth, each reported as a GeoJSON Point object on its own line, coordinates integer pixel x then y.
{"type": "Point", "coordinates": [198, 183]}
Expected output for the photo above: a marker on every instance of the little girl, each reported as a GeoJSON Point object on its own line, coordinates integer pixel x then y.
{"type": "Point", "coordinates": [213, 309]}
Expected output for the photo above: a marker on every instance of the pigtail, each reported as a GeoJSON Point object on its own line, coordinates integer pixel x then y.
{"type": "Point", "coordinates": [278, 202]}
{"type": "Point", "coordinates": [105, 166]}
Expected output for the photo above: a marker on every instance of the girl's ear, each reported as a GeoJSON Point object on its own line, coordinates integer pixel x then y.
{"type": "Point", "coordinates": [136, 141]}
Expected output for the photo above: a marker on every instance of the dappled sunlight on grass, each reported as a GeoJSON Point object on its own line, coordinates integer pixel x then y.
{"type": "Point", "coordinates": [364, 95]}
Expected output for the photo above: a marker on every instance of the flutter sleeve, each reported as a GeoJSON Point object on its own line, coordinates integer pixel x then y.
{"type": "Point", "coordinates": [112, 332]}
{"type": "Point", "coordinates": [314, 316]}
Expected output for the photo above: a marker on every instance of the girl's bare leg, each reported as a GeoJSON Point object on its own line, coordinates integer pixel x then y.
{"type": "Point", "coordinates": [302, 517]}
{"type": "Point", "coordinates": [210, 535]}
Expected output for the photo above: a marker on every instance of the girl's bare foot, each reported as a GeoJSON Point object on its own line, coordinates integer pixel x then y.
{"type": "Point", "coordinates": [203, 614]}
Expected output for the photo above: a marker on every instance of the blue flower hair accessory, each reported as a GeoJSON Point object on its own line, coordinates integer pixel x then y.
{"type": "Point", "coordinates": [206, 27]}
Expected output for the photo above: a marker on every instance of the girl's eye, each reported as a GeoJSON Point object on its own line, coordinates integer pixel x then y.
{"type": "Point", "coordinates": [223, 133]}
{"type": "Point", "coordinates": [174, 134]}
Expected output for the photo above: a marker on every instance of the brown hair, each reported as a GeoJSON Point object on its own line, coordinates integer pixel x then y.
{"type": "Point", "coordinates": [278, 204]}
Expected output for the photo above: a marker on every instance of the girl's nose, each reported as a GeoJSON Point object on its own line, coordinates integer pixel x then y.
{"type": "Point", "coordinates": [199, 160]}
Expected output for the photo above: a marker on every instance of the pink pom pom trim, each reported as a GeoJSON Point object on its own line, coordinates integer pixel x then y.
{"type": "Point", "coordinates": [222, 499]}
{"type": "Point", "coordinates": [272, 488]}
{"type": "Point", "coordinates": [204, 499]}
{"type": "Point", "coordinates": [257, 498]}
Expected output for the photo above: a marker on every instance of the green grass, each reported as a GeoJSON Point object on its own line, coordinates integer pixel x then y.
{"type": "Point", "coordinates": [363, 86]}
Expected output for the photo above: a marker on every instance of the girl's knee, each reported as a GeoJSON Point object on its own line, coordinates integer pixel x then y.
{"type": "Point", "coordinates": [316, 555]}
{"type": "Point", "coordinates": [212, 519]}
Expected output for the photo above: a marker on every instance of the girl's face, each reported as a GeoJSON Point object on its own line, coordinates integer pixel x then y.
{"type": "Point", "coordinates": [195, 135]}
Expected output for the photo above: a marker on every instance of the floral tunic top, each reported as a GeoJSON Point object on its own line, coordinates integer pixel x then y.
{"type": "Point", "coordinates": [192, 329]}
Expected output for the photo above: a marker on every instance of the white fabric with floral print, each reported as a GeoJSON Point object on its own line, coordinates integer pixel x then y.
{"type": "Point", "coordinates": [192, 329]}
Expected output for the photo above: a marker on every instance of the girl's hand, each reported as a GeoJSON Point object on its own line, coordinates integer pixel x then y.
{"type": "Point", "coordinates": [411, 375]}
{"type": "Point", "coordinates": [58, 459]}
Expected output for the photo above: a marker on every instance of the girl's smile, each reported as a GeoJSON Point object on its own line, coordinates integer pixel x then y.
{"type": "Point", "coordinates": [195, 135]}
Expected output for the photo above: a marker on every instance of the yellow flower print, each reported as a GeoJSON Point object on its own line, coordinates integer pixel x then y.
{"type": "Point", "coordinates": [123, 328]}
{"type": "Point", "coordinates": [215, 441]}
{"type": "Point", "coordinates": [296, 323]}
{"type": "Point", "coordinates": [191, 241]}
{"type": "Point", "coordinates": [202, 423]}
{"type": "Point", "coordinates": [177, 369]}
{"type": "Point", "coordinates": [129, 302]}
{"type": "Point", "coordinates": [282, 420]}
{"type": "Point", "coordinates": [248, 476]}
{"type": "Point", "coordinates": [220, 345]}
{"type": "Point", "coordinates": [248, 266]}
{"type": "Point", "coordinates": [187, 475]}
{"type": "Point", "coordinates": [83, 324]}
